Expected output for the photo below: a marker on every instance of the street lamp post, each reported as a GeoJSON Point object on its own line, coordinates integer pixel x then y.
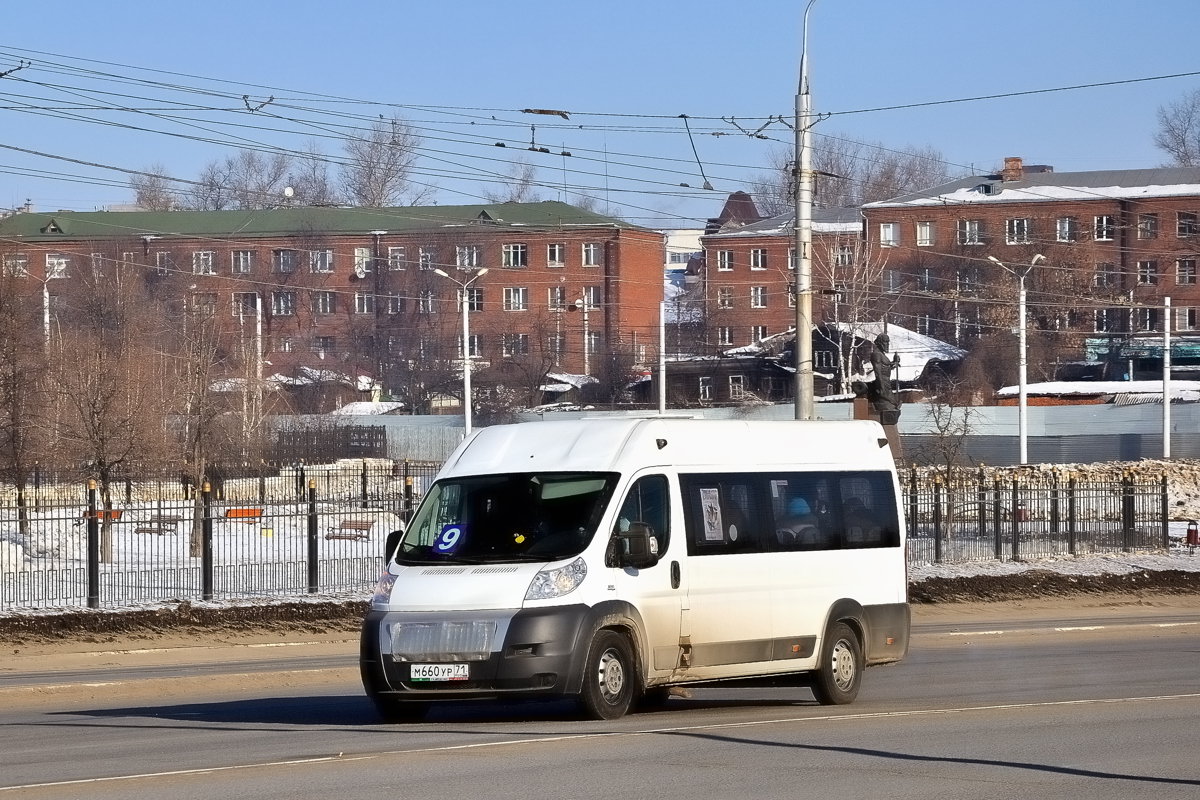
{"type": "Point", "coordinates": [466, 340]}
{"type": "Point", "coordinates": [1021, 272]}
{"type": "Point", "coordinates": [802, 349]}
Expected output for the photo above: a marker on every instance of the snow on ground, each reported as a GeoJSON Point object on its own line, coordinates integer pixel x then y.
{"type": "Point", "coordinates": [1181, 559]}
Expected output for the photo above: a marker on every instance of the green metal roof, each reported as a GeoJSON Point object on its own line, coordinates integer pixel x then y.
{"type": "Point", "coordinates": [60, 225]}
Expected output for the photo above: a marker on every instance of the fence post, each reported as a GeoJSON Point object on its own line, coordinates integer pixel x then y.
{"type": "Point", "coordinates": [363, 483]}
{"type": "Point", "coordinates": [408, 494]}
{"type": "Point", "coordinates": [997, 512]}
{"type": "Point", "coordinates": [1072, 513]}
{"type": "Point", "coordinates": [1126, 512]}
{"type": "Point", "coordinates": [262, 482]}
{"type": "Point", "coordinates": [1166, 513]}
{"type": "Point", "coordinates": [937, 520]}
{"type": "Point", "coordinates": [206, 540]}
{"type": "Point", "coordinates": [1016, 524]}
{"type": "Point", "coordinates": [913, 505]}
{"type": "Point", "coordinates": [981, 497]}
{"type": "Point", "coordinates": [312, 538]}
{"type": "Point", "coordinates": [93, 547]}
{"type": "Point", "coordinates": [1055, 512]}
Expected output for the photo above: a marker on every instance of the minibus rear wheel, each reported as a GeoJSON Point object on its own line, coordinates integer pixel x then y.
{"type": "Point", "coordinates": [609, 676]}
{"type": "Point", "coordinates": [839, 672]}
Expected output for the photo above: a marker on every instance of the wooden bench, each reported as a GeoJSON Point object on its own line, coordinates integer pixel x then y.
{"type": "Point", "coordinates": [160, 524]}
{"type": "Point", "coordinates": [354, 529]}
{"type": "Point", "coordinates": [247, 515]}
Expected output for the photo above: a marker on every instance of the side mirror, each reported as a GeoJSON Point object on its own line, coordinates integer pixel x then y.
{"type": "Point", "coordinates": [390, 544]}
{"type": "Point", "coordinates": [635, 547]}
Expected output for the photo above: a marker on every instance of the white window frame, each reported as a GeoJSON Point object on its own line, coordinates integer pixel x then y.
{"type": "Point", "coordinates": [724, 261]}
{"type": "Point", "coordinates": [202, 303]}
{"type": "Point", "coordinates": [241, 262]}
{"type": "Point", "coordinates": [468, 256]}
{"type": "Point", "coordinates": [705, 387]}
{"type": "Point", "coordinates": [514, 255]}
{"type": "Point", "coordinates": [363, 259]}
{"type": "Point", "coordinates": [593, 254]}
{"type": "Point", "coordinates": [204, 262]}
{"type": "Point", "coordinates": [724, 335]}
{"type": "Point", "coordinates": [515, 344]}
{"type": "Point", "coordinates": [97, 263]}
{"type": "Point", "coordinates": [16, 265]}
{"type": "Point", "coordinates": [758, 258]}
{"type": "Point", "coordinates": [1187, 224]}
{"type": "Point", "coordinates": [283, 260]}
{"type": "Point", "coordinates": [1066, 229]}
{"type": "Point", "coordinates": [397, 258]}
{"type": "Point", "coordinates": [324, 302]}
{"type": "Point", "coordinates": [320, 262]}
{"type": "Point", "coordinates": [426, 256]}
{"type": "Point", "coordinates": [737, 387]}
{"type": "Point", "coordinates": [393, 304]}
{"type": "Point", "coordinates": [758, 297]}
{"type": "Point", "coordinates": [473, 344]}
{"type": "Point", "coordinates": [1104, 227]}
{"type": "Point", "coordinates": [889, 234]}
{"type": "Point", "coordinates": [1147, 226]}
{"type": "Point", "coordinates": [556, 298]}
{"type": "Point", "coordinates": [791, 259]}
{"type": "Point", "coordinates": [593, 342]}
{"type": "Point", "coordinates": [164, 262]}
{"type": "Point", "coordinates": [244, 304]}
{"type": "Point", "coordinates": [970, 232]}
{"type": "Point", "coordinates": [1017, 230]}
{"type": "Point", "coordinates": [516, 298]}
{"type": "Point", "coordinates": [1147, 273]}
{"type": "Point", "coordinates": [556, 255]}
{"type": "Point", "coordinates": [724, 297]}
{"type": "Point", "coordinates": [591, 298]}
{"type": "Point", "coordinates": [1185, 276]}
{"type": "Point", "coordinates": [1185, 318]}
{"type": "Point", "coordinates": [283, 303]}
{"type": "Point", "coordinates": [758, 333]}
{"type": "Point", "coordinates": [842, 255]}
{"type": "Point", "coordinates": [891, 281]}
{"type": "Point", "coordinates": [924, 233]}
{"type": "Point", "coordinates": [474, 299]}
{"type": "Point", "coordinates": [426, 302]}
{"type": "Point", "coordinates": [364, 302]}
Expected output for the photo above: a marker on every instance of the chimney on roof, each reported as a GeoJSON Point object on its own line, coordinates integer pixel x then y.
{"type": "Point", "coordinates": [1013, 169]}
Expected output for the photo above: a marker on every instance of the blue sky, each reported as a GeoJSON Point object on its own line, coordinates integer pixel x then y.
{"type": "Point", "coordinates": [625, 71]}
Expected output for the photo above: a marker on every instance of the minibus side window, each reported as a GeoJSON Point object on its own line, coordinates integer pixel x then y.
{"type": "Point", "coordinates": [868, 511]}
{"type": "Point", "coordinates": [724, 514]}
{"type": "Point", "coordinates": [648, 502]}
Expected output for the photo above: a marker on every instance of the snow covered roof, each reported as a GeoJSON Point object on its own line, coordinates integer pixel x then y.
{"type": "Point", "coordinates": [824, 220]}
{"type": "Point", "coordinates": [307, 376]}
{"type": "Point", "coordinates": [368, 408]}
{"type": "Point", "coordinates": [1056, 187]}
{"type": "Point", "coordinates": [565, 381]}
{"type": "Point", "coordinates": [916, 350]}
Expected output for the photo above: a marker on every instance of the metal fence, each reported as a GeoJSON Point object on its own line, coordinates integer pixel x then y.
{"type": "Point", "coordinates": [295, 531]}
{"type": "Point", "coordinates": [307, 529]}
{"type": "Point", "coordinates": [971, 516]}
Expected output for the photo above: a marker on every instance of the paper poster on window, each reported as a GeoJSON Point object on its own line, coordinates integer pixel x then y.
{"type": "Point", "coordinates": [778, 489]}
{"type": "Point", "coordinates": [710, 502]}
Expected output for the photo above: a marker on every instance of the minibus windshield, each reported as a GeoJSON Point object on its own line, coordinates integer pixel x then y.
{"type": "Point", "coordinates": [532, 516]}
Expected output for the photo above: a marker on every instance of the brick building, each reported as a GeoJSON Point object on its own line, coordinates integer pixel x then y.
{"type": "Point", "coordinates": [1115, 243]}
{"type": "Point", "coordinates": [357, 292]}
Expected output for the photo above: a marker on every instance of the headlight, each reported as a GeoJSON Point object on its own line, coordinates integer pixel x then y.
{"type": "Point", "coordinates": [556, 582]}
{"type": "Point", "coordinates": [383, 589]}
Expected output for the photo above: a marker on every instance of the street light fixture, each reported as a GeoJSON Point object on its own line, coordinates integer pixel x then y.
{"type": "Point", "coordinates": [1022, 360]}
{"type": "Point", "coordinates": [466, 341]}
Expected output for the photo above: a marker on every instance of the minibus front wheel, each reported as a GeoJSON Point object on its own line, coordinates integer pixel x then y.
{"type": "Point", "coordinates": [609, 676]}
{"type": "Point", "coordinates": [839, 672]}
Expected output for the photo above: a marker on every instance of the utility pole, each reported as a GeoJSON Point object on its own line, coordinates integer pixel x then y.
{"type": "Point", "coordinates": [804, 191]}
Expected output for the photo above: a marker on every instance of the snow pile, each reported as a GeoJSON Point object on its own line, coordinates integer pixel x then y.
{"type": "Point", "coordinates": [1181, 560]}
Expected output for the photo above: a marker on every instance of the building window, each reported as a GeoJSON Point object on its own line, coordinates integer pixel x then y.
{"type": "Point", "coordinates": [473, 348]}
{"type": "Point", "coordinates": [1147, 272]}
{"type": "Point", "coordinates": [970, 231]}
{"type": "Point", "coordinates": [924, 234]}
{"type": "Point", "coordinates": [556, 255]}
{"type": "Point", "coordinates": [1105, 228]}
{"type": "Point", "coordinates": [758, 297]}
{"type": "Point", "coordinates": [593, 342]}
{"type": "Point", "coordinates": [925, 324]}
{"type": "Point", "coordinates": [1185, 319]}
{"type": "Point", "coordinates": [283, 260]}
{"type": "Point", "coordinates": [1186, 225]}
{"type": "Point", "coordinates": [323, 345]}
{"type": "Point", "coordinates": [515, 256]}
{"type": "Point", "coordinates": [128, 259]}
{"type": "Point", "coordinates": [1146, 319]}
{"type": "Point", "coordinates": [591, 297]}
{"type": "Point", "coordinates": [16, 265]}
{"type": "Point", "coordinates": [1066, 229]}
{"type": "Point", "coordinates": [843, 255]}
{"type": "Point", "coordinates": [737, 387]}
{"type": "Point", "coordinates": [245, 304]}
{"type": "Point", "coordinates": [724, 297]}
{"type": "Point", "coordinates": [204, 262]}
{"type": "Point", "coordinates": [320, 261]}
{"type": "Point", "coordinates": [516, 344]}
{"type": "Point", "coordinates": [242, 262]}
{"type": "Point", "coordinates": [474, 299]}
{"type": "Point", "coordinates": [426, 302]}
{"type": "Point", "coordinates": [283, 344]}
{"type": "Point", "coordinates": [724, 335]}
{"type": "Point", "coordinates": [516, 298]}
{"type": "Point", "coordinates": [393, 304]}
{"type": "Point", "coordinates": [1016, 231]}
{"type": "Point", "coordinates": [283, 304]}
{"type": "Point", "coordinates": [892, 281]}
{"type": "Point", "coordinates": [791, 295]}
{"type": "Point", "coordinates": [427, 256]}
{"type": "Point", "coordinates": [1107, 276]}
{"type": "Point", "coordinates": [1104, 320]}
{"type": "Point", "coordinates": [724, 260]}
{"type": "Point", "coordinates": [97, 261]}
{"type": "Point", "coordinates": [556, 298]}
{"type": "Point", "coordinates": [591, 254]}
{"type": "Point", "coordinates": [925, 279]}
{"type": "Point", "coordinates": [967, 280]}
{"type": "Point", "coordinates": [1185, 272]}
{"type": "Point", "coordinates": [706, 388]}
{"type": "Point", "coordinates": [556, 344]}
{"type": "Point", "coordinates": [397, 259]}
{"type": "Point", "coordinates": [468, 256]}
{"type": "Point", "coordinates": [164, 263]}
{"type": "Point", "coordinates": [758, 258]}
{"type": "Point", "coordinates": [362, 260]}
{"type": "Point", "coordinates": [792, 259]}
{"type": "Point", "coordinates": [889, 234]}
{"type": "Point", "coordinates": [1147, 226]}
{"type": "Point", "coordinates": [324, 302]}
{"type": "Point", "coordinates": [203, 303]}
{"type": "Point", "coordinates": [364, 303]}
{"type": "Point", "coordinates": [758, 333]}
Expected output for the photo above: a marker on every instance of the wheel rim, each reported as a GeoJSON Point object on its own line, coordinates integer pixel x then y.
{"type": "Point", "coordinates": [611, 675]}
{"type": "Point", "coordinates": [843, 665]}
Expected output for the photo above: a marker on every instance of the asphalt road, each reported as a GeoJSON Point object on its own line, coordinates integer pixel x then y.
{"type": "Point", "coordinates": [1020, 704]}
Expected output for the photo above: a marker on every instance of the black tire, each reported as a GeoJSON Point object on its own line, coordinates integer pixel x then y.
{"type": "Point", "coordinates": [392, 710]}
{"type": "Point", "coordinates": [609, 677]}
{"type": "Point", "coordinates": [839, 672]}
{"type": "Point", "coordinates": [654, 698]}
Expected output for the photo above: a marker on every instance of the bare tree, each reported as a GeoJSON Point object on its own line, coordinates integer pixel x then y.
{"type": "Point", "coordinates": [22, 369]}
{"type": "Point", "coordinates": [849, 173]}
{"type": "Point", "coordinates": [310, 180]}
{"type": "Point", "coordinates": [519, 186]}
{"type": "Point", "coordinates": [1178, 133]}
{"type": "Point", "coordinates": [379, 165]}
{"type": "Point", "coordinates": [246, 180]}
{"type": "Point", "coordinates": [152, 189]}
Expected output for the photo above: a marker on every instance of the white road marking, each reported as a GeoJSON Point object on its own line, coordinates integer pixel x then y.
{"type": "Point", "coordinates": [607, 735]}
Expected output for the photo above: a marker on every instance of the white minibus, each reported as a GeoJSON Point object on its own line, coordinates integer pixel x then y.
{"type": "Point", "coordinates": [611, 559]}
